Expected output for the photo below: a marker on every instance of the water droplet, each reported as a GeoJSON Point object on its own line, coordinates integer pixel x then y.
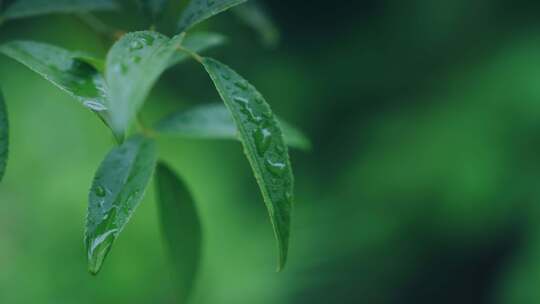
{"type": "Point", "coordinates": [263, 138]}
{"type": "Point", "coordinates": [276, 168]}
{"type": "Point", "coordinates": [94, 105]}
{"type": "Point", "coordinates": [242, 85]}
{"type": "Point", "coordinates": [98, 247]}
{"type": "Point", "coordinates": [226, 76]}
{"type": "Point", "coordinates": [136, 45]}
{"type": "Point", "coordinates": [241, 100]}
{"type": "Point", "coordinates": [246, 109]}
{"type": "Point", "coordinates": [100, 191]}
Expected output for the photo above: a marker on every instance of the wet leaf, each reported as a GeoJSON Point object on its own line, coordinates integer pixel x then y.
{"type": "Point", "coordinates": [264, 146]}
{"type": "Point", "coordinates": [214, 121]}
{"type": "Point", "coordinates": [133, 65]}
{"type": "Point", "coordinates": [61, 68]}
{"type": "Point", "coordinates": [200, 10]}
{"type": "Point", "coordinates": [4, 137]}
{"type": "Point", "coordinates": [181, 229]}
{"type": "Point", "coordinates": [95, 62]}
{"type": "Point", "coordinates": [30, 8]}
{"type": "Point", "coordinates": [197, 42]}
{"type": "Point", "coordinates": [117, 190]}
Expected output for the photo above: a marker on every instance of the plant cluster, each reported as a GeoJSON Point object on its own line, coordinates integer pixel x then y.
{"type": "Point", "coordinates": [115, 89]}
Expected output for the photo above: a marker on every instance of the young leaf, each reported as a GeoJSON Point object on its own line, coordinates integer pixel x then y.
{"type": "Point", "coordinates": [117, 190]}
{"type": "Point", "coordinates": [181, 228]}
{"type": "Point", "coordinates": [4, 136]}
{"type": "Point", "coordinates": [133, 65]}
{"type": "Point", "coordinates": [255, 16]}
{"type": "Point", "coordinates": [62, 68]}
{"type": "Point", "coordinates": [200, 10]}
{"type": "Point", "coordinates": [214, 121]}
{"type": "Point", "coordinates": [263, 144]}
{"type": "Point", "coordinates": [30, 8]}
{"type": "Point", "coordinates": [197, 42]}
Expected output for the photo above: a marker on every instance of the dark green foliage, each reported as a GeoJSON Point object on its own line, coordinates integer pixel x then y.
{"type": "Point", "coordinates": [181, 229]}
{"type": "Point", "coordinates": [29, 8]}
{"type": "Point", "coordinates": [263, 144]}
{"type": "Point", "coordinates": [4, 136]}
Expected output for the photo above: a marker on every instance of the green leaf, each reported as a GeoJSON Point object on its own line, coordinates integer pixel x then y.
{"type": "Point", "coordinates": [197, 42]}
{"type": "Point", "coordinates": [30, 8]}
{"type": "Point", "coordinates": [133, 65]}
{"type": "Point", "coordinates": [264, 146]}
{"type": "Point", "coordinates": [181, 228]}
{"type": "Point", "coordinates": [214, 121]}
{"type": "Point", "coordinates": [62, 68]}
{"type": "Point", "coordinates": [4, 137]}
{"type": "Point", "coordinates": [200, 10]}
{"type": "Point", "coordinates": [255, 16]}
{"type": "Point", "coordinates": [117, 190]}
{"type": "Point", "coordinates": [95, 62]}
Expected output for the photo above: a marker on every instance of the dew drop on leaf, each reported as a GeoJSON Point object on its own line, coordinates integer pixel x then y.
{"type": "Point", "coordinates": [263, 138]}
{"type": "Point", "coordinates": [100, 191]}
{"type": "Point", "coordinates": [276, 168]}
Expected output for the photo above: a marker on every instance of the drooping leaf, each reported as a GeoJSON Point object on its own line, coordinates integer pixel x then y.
{"type": "Point", "coordinates": [197, 42]}
{"type": "Point", "coordinates": [200, 10]}
{"type": "Point", "coordinates": [133, 65]}
{"type": "Point", "coordinates": [254, 15]}
{"type": "Point", "coordinates": [30, 8]}
{"type": "Point", "coordinates": [181, 229]}
{"type": "Point", "coordinates": [4, 136]}
{"type": "Point", "coordinates": [117, 190]}
{"type": "Point", "coordinates": [214, 121]}
{"type": "Point", "coordinates": [264, 146]}
{"type": "Point", "coordinates": [61, 67]}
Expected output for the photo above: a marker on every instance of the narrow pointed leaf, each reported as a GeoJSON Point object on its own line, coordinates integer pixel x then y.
{"type": "Point", "coordinates": [30, 8]}
{"type": "Point", "coordinates": [264, 146]}
{"type": "Point", "coordinates": [254, 15]}
{"type": "Point", "coordinates": [61, 68]}
{"type": "Point", "coordinates": [133, 66]}
{"type": "Point", "coordinates": [117, 190]}
{"type": "Point", "coordinates": [200, 10]}
{"type": "Point", "coordinates": [214, 121]}
{"type": "Point", "coordinates": [197, 42]}
{"type": "Point", "coordinates": [4, 136]}
{"type": "Point", "coordinates": [181, 229]}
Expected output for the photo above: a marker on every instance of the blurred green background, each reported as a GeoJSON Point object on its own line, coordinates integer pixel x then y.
{"type": "Point", "coordinates": [422, 185]}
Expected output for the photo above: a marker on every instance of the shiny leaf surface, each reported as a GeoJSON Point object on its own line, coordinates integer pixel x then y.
{"type": "Point", "coordinates": [61, 68]}
{"type": "Point", "coordinates": [264, 146]}
{"type": "Point", "coordinates": [117, 190]}
{"type": "Point", "coordinates": [200, 10]}
{"type": "Point", "coordinates": [133, 65]}
{"type": "Point", "coordinates": [214, 121]}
